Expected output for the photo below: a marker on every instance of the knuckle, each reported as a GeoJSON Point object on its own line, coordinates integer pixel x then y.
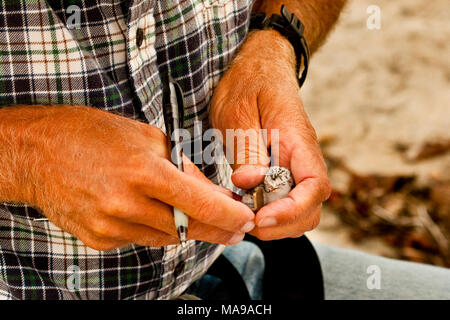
{"type": "Point", "coordinates": [117, 206]}
{"type": "Point", "coordinates": [101, 228]}
{"type": "Point", "coordinates": [297, 235]}
{"type": "Point", "coordinates": [314, 222]}
{"type": "Point", "coordinates": [263, 235]}
{"type": "Point", "coordinates": [99, 245]}
{"type": "Point", "coordinates": [140, 163]}
{"type": "Point", "coordinates": [205, 207]}
{"type": "Point", "coordinates": [298, 209]}
{"type": "Point", "coordinates": [149, 181]}
{"type": "Point", "coordinates": [111, 205]}
{"type": "Point", "coordinates": [310, 222]}
{"type": "Point", "coordinates": [176, 187]}
{"type": "Point", "coordinates": [158, 142]}
{"type": "Point", "coordinates": [292, 218]}
{"type": "Point", "coordinates": [236, 117]}
{"type": "Point", "coordinates": [226, 238]}
{"type": "Point", "coordinates": [154, 132]}
{"type": "Point", "coordinates": [325, 188]}
{"type": "Point", "coordinates": [149, 172]}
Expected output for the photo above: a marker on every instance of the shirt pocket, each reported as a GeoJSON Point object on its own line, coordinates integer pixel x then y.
{"type": "Point", "coordinates": [225, 27]}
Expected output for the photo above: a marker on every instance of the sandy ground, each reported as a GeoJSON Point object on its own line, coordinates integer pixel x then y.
{"type": "Point", "coordinates": [372, 89]}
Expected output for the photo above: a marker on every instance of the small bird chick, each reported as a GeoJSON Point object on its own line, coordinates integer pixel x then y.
{"type": "Point", "coordinates": [277, 185]}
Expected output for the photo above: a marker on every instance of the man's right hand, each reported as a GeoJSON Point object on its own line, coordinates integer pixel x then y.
{"type": "Point", "coordinates": [107, 180]}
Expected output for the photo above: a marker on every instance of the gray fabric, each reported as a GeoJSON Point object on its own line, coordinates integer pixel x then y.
{"type": "Point", "coordinates": [346, 274]}
{"type": "Point", "coordinates": [248, 259]}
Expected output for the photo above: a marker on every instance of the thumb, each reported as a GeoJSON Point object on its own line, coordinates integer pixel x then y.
{"type": "Point", "coordinates": [251, 159]}
{"type": "Point", "coordinates": [237, 117]}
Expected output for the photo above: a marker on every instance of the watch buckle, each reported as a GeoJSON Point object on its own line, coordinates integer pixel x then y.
{"type": "Point", "coordinates": [292, 19]}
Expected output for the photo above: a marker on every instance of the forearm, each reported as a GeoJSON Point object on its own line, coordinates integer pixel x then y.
{"type": "Point", "coordinates": [28, 136]}
{"type": "Point", "coordinates": [16, 154]}
{"type": "Point", "coordinates": [318, 16]}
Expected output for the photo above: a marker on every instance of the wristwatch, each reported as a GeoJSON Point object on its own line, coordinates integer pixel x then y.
{"type": "Point", "coordinates": [292, 29]}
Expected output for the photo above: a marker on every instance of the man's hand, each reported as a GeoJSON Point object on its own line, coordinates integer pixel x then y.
{"type": "Point", "coordinates": [260, 91]}
{"type": "Point", "coordinates": [108, 181]}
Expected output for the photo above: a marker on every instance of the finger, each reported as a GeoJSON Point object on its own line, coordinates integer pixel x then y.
{"type": "Point", "coordinates": [292, 230]}
{"type": "Point", "coordinates": [76, 227]}
{"type": "Point", "coordinates": [119, 230]}
{"type": "Point", "coordinates": [248, 176]}
{"type": "Point", "coordinates": [197, 199]}
{"type": "Point", "coordinates": [244, 142]}
{"type": "Point", "coordinates": [159, 216]}
{"type": "Point", "coordinates": [289, 126]}
{"type": "Point", "coordinates": [204, 232]}
{"type": "Point", "coordinates": [304, 198]}
{"type": "Point", "coordinates": [282, 110]}
{"type": "Point", "coordinates": [312, 188]}
{"type": "Point", "coordinates": [149, 212]}
{"type": "Point", "coordinates": [98, 243]}
{"type": "Point", "coordinates": [191, 169]}
{"type": "Point", "coordinates": [251, 159]}
{"type": "Point", "coordinates": [157, 139]}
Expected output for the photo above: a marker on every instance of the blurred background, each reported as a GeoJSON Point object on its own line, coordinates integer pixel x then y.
{"type": "Point", "coordinates": [380, 103]}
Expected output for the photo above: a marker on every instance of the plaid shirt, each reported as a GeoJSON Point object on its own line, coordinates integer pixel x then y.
{"type": "Point", "coordinates": [113, 61]}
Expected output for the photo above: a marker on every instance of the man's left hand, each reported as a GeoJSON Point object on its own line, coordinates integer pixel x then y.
{"type": "Point", "coordinates": [260, 91]}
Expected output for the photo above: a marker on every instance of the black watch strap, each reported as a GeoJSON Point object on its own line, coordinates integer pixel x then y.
{"type": "Point", "coordinates": [292, 29]}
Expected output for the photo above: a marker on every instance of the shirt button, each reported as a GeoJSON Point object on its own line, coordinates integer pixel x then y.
{"type": "Point", "coordinates": [139, 37]}
{"type": "Point", "coordinates": [179, 268]}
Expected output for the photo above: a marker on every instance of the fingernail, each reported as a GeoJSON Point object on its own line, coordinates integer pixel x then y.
{"type": "Point", "coordinates": [248, 227]}
{"type": "Point", "coordinates": [267, 222]}
{"type": "Point", "coordinates": [236, 238]}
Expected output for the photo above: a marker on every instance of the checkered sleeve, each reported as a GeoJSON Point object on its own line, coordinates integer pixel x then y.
{"type": "Point", "coordinates": [110, 55]}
